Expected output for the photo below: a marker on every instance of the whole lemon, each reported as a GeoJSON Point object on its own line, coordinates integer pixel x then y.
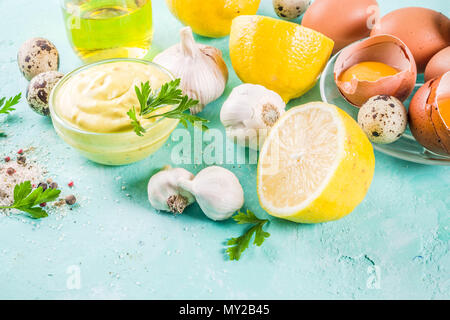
{"type": "Point", "coordinates": [211, 18]}
{"type": "Point", "coordinates": [279, 55]}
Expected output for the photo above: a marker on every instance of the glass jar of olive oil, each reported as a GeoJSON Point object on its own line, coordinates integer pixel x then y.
{"type": "Point", "coordinates": [105, 29]}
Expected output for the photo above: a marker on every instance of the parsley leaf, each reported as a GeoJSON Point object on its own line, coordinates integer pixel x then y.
{"type": "Point", "coordinates": [236, 246]}
{"type": "Point", "coordinates": [6, 106]}
{"type": "Point", "coordinates": [168, 94]}
{"type": "Point", "coordinates": [135, 122]}
{"type": "Point", "coordinates": [28, 200]}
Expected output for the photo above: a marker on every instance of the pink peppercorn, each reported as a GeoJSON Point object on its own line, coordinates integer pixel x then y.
{"type": "Point", "coordinates": [20, 151]}
{"type": "Point", "coordinates": [70, 184]}
{"type": "Point", "coordinates": [7, 159]}
{"type": "Point", "coordinates": [10, 171]}
{"type": "Point", "coordinates": [43, 204]}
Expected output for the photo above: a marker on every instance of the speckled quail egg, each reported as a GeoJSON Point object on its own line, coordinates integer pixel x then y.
{"type": "Point", "coordinates": [37, 55]}
{"type": "Point", "coordinates": [383, 118]}
{"type": "Point", "coordinates": [39, 89]}
{"type": "Point", "coordinates": [290, 9]}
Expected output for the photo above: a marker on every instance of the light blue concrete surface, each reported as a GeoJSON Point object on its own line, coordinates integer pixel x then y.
{"type": "Point", "coordinates": [124, 249]}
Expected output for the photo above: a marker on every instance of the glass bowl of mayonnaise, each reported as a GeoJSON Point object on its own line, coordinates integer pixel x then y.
{"type": "Point", "coordinates": [89, 109]}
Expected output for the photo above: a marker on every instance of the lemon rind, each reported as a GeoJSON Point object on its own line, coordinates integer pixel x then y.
{"type": "Point", "coordinates": [288, 211]}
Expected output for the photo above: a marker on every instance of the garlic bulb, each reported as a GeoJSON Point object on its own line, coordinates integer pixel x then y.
{"type": "Point", "coordinates": [202, 70]}
{"type": "Point", "coordinates": [249, 112]}
{"type": "Point", "coordinates": [217, 191]}
{"type": "Point", "coordinates": [165, 193]}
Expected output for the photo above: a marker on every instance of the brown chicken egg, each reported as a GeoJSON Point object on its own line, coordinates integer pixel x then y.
{"type": "Point", "coordinates": [438, 65]}
{"type": "Point", "coordinates": [379, 65]}
{"type": "Point", "coordinates": [344, 21]}
{"type": "Point", "coordinates": [423, 30]}
{"type": "Point", "coordinates": [429, 115]}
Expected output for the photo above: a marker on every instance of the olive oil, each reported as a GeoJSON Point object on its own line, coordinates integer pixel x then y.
{"type": "Point", "coordinates": [105, 29]}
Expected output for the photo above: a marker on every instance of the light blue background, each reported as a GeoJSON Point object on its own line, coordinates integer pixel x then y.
{"type": "Point", "coordinates": [126, 250]}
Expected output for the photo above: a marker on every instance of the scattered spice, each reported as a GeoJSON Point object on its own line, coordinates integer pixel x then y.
{"type": "Point", "coordinates": [20, 171]}
{"type": "Point", "coordinates": [70, 184]}
{"type": "Point", "coordinates": [70, 199]}
{"type": "Point", "coordinates": [59, 203]}
{"type": "Point", "coordinates": [22, 160]}
{"type": "Point", "coordinates": [43, 185]}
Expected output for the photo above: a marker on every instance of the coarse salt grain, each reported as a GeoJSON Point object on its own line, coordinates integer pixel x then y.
{"type": "Point", "coordinates": [29, 172]}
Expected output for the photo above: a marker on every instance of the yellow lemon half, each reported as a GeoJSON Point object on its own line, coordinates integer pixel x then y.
{"type": "Point", "coordinates": [315, 166]}
{"type": "Point", "coordinates": [211, 18]}
{"type": "Point", "coordinates": [282, 56]}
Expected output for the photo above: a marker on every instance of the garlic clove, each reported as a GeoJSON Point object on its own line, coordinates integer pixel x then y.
{"type": "Point", "coordinates": [165, 193]}
{"type": "Point", "coordinates": [201, 68]}
{"type": "Point", "coordinates": [249, 112]}
{"type": "Point", "coordinates": [217, 191]}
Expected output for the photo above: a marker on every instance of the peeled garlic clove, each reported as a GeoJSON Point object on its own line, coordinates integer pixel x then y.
{"type": "Point", "coordinates": [249, 112]}
{"type": "Point", "coordinates": [217, 191]}
{"type": "Point", "coordinates": [165, 193]}
{"type": "Point", "coordinates": [201, 68]}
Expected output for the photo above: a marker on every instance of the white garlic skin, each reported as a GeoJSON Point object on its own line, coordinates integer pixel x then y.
{"type": "Point", "coordinates": [249, 113]}
{"type": "Point", "coordinates": [201, 68]}
{"type": "Point", "coordinates": [165, 184]}
{"type": "Point", "coordinates": [217, 191]}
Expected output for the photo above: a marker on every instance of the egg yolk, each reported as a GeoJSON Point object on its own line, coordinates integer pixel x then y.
{"type": "Point", "coordinates": [368, 71]}
{"type": "Point", "coordinates": [444, 111]}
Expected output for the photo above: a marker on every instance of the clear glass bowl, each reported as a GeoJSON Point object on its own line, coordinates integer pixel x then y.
{"type": "Point", "coordinates": [112, 148]}
{"type": "Point", "coordinates": [406, 148]}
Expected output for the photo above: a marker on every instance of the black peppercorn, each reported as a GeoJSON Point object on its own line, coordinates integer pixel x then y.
{"type": "Point", "coordinates": [70, 199]}
{"type": "Point", "coordinates": [43, 185]}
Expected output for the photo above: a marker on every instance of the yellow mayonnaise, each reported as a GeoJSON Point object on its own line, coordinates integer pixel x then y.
{"type": "Point", "coordinates": [97, 99]}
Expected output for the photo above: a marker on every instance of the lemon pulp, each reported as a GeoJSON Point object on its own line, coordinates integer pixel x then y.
{"type": "Point", "coordinates": [315, 166]}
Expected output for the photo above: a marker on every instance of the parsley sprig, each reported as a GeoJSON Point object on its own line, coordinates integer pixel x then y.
{"type": "Point", "coordinates": [168, 94]}
{"type": "Point", "coordinates": [28, 200]}
{"type": "Point", "coordinates": [238, 245]}
{"type": "Point", "coordinates": [6, 106]}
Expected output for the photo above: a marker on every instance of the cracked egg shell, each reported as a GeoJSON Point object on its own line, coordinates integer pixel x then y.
{"type": "Point", "coordinates": [383, 48]}
{"type": "Point", "coordinates": [426, 120]}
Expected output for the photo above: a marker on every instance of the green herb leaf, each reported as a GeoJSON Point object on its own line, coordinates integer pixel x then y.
{"type": "Point", "coordinates": [28, 200]}
{"type": "Point", "coordinates": [135, 122]}
{"type": "Point", "coordinates": [21, 190]}
{"type": "Point", "coordinates": [168, 94]}
{"type": "Point", "coordinates": [178, 113]}
{"type": "Point", "coordinates": [238, 245]}
{"type": "Point", "coordinates": [7, 107]}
